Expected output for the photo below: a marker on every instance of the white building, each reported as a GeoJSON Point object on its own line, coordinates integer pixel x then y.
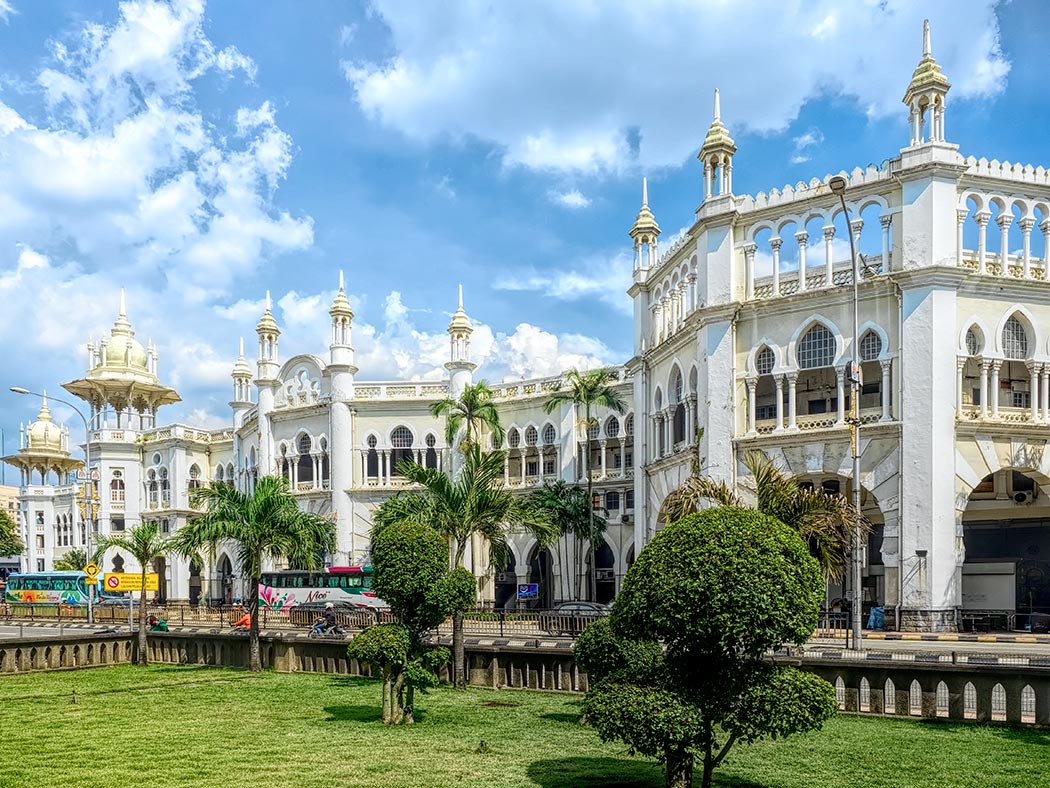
{"type": "Point", "coordinates": [954, 338]}
{"type": "Point", "coordinates": [336, 440]}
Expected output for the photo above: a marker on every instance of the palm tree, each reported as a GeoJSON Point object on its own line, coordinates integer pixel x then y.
{"type": "Point", "coordinates": [571, 509]}
{"type": "Point", "coordinates": [144, 543]}
{"type": "Point", "coordinates": [827, 521]}
{"type": "Point", "coordinates": [473, 411]}
{"type": "Point", "coordinates": [588, 390]}
{"type": "Point", "coordinates": [266, 524]}
{"type": "Point", "coordinates": [473, 503]}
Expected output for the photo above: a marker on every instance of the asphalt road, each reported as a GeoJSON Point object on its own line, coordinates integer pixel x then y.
{"type": "Point", "coordinates": [940, 647]}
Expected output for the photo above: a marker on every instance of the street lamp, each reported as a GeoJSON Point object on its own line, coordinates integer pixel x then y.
{"type": "Point", "coordinates": [837, 184]}
{"type": "Point", "coordinates": [88, 497]}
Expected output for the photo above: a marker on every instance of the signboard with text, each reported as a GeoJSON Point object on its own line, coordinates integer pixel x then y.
{"type": "Point", "coordinates": [528, 590]}
{"type": "Point", "coordinates": [128, 581]}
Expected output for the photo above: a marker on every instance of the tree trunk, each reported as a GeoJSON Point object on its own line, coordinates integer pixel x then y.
{"type": "Point", "coordinates": [410, 702]}
{"type": "Point", "coordinates": [591, 585]}
{"type": "Point", "coordinates": [396, 684]}
{"type": "Point", "coordinates": [142, 660]}
{"type": "Point", "coordinates": [388, 696]}
{"type": "Point", "coordinates": [459, 673]}
{"type": "Point", "coordinates": [254, 660]}
{"type": "Point", "coordinates": [678, 770]}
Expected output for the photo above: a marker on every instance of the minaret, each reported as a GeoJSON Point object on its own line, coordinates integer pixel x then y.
{"type": "Point", "coordinates": [266, 381]}
{"type": "Point", "coordinates": [459, 365]}
{"type": "Point", "coordinates": [717, 156]}
{"type": "Point", "coordinates": [242, 381]}
{"type": "Point", "coordinates": [927, 91]}
{"type": "Point", "coordinates": [644, 233]}
{"type": "Point", "coordinates": [341, 452]}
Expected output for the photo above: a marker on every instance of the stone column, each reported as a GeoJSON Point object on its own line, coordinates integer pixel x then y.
{"type": "Point", "coordinates": [602, 444]}
{"type": "Point", "coordinates": [752, 384]}
{"type": "Point", "coordinates": [982, 217]}
{"type": "Point", "coordinates": [960, 363]}
{"type": "Point", "coordinates": [749, 270]}
{"type": "Point", "coordinates": [775, 244]}
{"type": "Point", "coordinates": [792, 380]}
{"type": "Point", "coordinates": [1045, 227]}
{"type": "Point", "coordinates": [994, 386]}
{"type": "Point", "coordinates": [801, 236]}
{"type": "Point", "coordinates": [707, 180]}
{"type": "Point", "coordinates": [840, 393]}
{"type": "Point", "coordinates": [386, 467]}
{"type": "Point", "coordinates": [1033, 394]}
{"type": "Point", "coordinates": [1004, 220]}
{"type": "Point", "coordinates": [856, 226]}
{"type": "Point", "coordinates": [1044, 392]}
{"type": "Point", "coordinates": [960, 221]}
{"type": "Point", "coordinates": [884, 389]}
{"type": "Point", "coordinates": [779, 380]}
{"type": "Point", "coordinates": [521, 455]}
{"type": "Point", "coordinates": [985, 365]}
{"type": "Point", "coordinates": [886, 221]}
{"type": "Point", "coordinates": [829, 259]}
{"type": "Point", "coordinates": [1026, 226]}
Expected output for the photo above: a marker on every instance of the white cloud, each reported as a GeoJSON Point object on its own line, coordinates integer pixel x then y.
{"type": "Point", "coordinates": [805, 141]}
{"type": "Point", "coordinates": [444, 188]}
{"type": "Point", "coordinates": [602, 278]}
{"type": "Point", "coordinates": [570, 199]}
{"type": "Point", "coordinates": [346, 34]}
{"type": "Point", "coordinates": [473, 70]}
{"type": "Point", "coordinates": [6, 9]}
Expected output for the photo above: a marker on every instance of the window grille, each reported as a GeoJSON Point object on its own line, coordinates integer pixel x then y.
{"type": "Point", "coordinates": [865, 695]}
{"type": "Point", "coordinates": [371, 443]}
{"type": "Point", "coordinates": [942, 699]}
{"type": "Point", "coordinates": [628, 500]}
{"type": "Point", "coordinates": [628, 425]}
{"type": "Point", "coordinates": [431, 441]}
{"type": "Point", "coordinates": [513, 439]}
{"type": "Point", "coordinates": [1015, 340]}
{"type": "Point", "coordinates": [496, 441]}
{"type": "Point", "coordinates": [612, 427]}
{"type": "Point", "coordinates": [764, 361]}
{"type": "Point", "coordinates": [304, 444]}
{"type": "Point", "coordinates": [593, 431]}
{"type": "Point", "coordinates": [969, 702]}
{"type": "Point", "coordinates": [531, 436]}
{"type": "Point", "coordinates": [973, 344]}
{"type": "Point", "coordinates": [677, 386]}
{"type": "Point", "coordinates": [612, 501]}
{"type": "Point", "coordinates": [548, 465]}
{"type": "Point", "coordinates": [549, 435]}
{"type": "Point", "coordinates": [1027, 704]}
{"type": "Point", "coordinates": [915, 699]}
{"type": "Point", "coordinates": [401, 438]}
{"type": "Point", "coordinates": [870, 346]}
{"type": "Point", "coordinates": [817, 348]}
{"type": "Point", "coordinates": [889, 694]}
{"type": "Point", "coordinates": [998, 703]}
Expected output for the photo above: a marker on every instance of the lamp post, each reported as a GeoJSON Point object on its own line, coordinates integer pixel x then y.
{"type": "Point", "coordinates": [89, 520]}
{"type": "Point", "coordinates": [837, 184]}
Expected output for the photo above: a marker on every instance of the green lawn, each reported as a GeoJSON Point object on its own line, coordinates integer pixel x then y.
{"type": "Point", "coordinates": [185, 726]}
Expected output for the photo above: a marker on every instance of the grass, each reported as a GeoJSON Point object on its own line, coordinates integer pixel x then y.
{"type": "Point", "coordinates": [187, 726]}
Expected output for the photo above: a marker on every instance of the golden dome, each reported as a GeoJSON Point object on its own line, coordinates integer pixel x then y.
{"type": "Point", "coordinates": [717, 139]}
{"type": "Point", "coordinates": [645, 222]}
{"type": "Point", "coordinates": [241, 368]}
{"type": "Point", "coordinates": [340, 304]}
{"type": "Point", "coordinates": [122, 349]}
{"type": "Point", "coordinates": [267, 325]}
{"type": "Point", "coordinates": [927, 77]}
{"type": "Point", "coordinates": [460, 322]}
{"type": "Point", "coordinates": [43, 434]}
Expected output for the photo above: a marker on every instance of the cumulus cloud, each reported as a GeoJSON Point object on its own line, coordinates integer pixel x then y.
{"type": "Point", "coordinates": [805, 141]}
{"type": "Point", "coordinates": [6, 9]}
{"type": "Point", "coordinates": [473, 70]}
{"type": "Point", "coordinates": [570, 199]}
{"type": "Point", "coordinates": [604, 278]}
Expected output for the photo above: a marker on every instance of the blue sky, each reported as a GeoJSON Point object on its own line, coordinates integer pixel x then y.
{"type": "Point", "coordinates": [199, 155]}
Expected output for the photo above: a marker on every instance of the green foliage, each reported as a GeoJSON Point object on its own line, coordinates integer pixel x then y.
{"type": "Point", "coordinates": [570, 509]}
{"type": "Point", "coordinates": [381, 645]}
{"type": "Point", "coordinates": [718, 589]}
{"type": "Point", "coordinates": [10, 544]}
{"type": "Point", "coordinates": [73, 560]}
{"type": "Point", "coordinates": [473, 411]}
{"type": "Point", "coordinates": [726, 580]}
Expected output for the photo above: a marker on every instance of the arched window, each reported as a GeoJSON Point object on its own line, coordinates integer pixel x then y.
{"type": "Point", "coordinates": [401, 441]}
{"type": "Point", "coordinates": [372, 458]}
{"type": "Point", "coordinates": [765, 361]}
{"type": "Point", "coordinates": [628, 425]}
{"type": "Point", "coordinates": [870, 346]}
{"type": "Point", "coordinates": [152, 489]}
{"type": "Point", "coordinates": [531, 436]}
{"type": "Point", "coordinates": [678, 418]}
{"type": "Point", "coordinates": [165, 488]}
{"type": "Point", "coordinates": [816, 349]}
{"type": "Point", "coordinates": [550, 435]}
{"type": "Point", "coordinates": [116, 487]}
{"type": "Point", "coordinates": [229, 474]}
{"type": "Point", "coordinates": [612, 427]}
{"type": "Point", "coordinates": [514, 438]}
{"type": "Point", "coordinates": [431, 458]}
{"type": "Point", "coordinates": [304, 470]}
{"type": "Point", "coordinates": [594, 430]}
{"type": "Point", "coordinates": [220, 474]}
{"type": "Point", "coordinates": [973, 342]}
{"type": "Point", "coordinates": [326, 470]}
{"type": "Point", "coordinates": [612, 501]}
{"type": "Point", "coordinates": [195, 477]}
{"type": "Point", "coordinates": [118, 563]}
{"type": "Point", "coordinates": [1015, 340]}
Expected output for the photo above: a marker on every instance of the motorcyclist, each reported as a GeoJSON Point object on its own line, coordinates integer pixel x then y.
{"type": "Point", "coordinates": [327, 620]}
{"type": "Point", "coordinates": [157, 624]}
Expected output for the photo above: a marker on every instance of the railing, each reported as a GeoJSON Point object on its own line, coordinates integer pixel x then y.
{"type": "Point", "coordinates": [841, 276]}
{"type": "Point", "coordinates": [1006, 415]}
{"type": "Point", "coordinates": [816, 421]}
{"type": "Point", "coordinates": [993, 266]}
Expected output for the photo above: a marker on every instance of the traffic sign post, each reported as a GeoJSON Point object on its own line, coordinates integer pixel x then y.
{"type": "Point", "coordinates": [131, 581]}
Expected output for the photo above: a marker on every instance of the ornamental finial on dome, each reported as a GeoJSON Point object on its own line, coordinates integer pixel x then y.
{"type": "Point", "coordinates": [645, 223]}
{"type": "Point", "coordinates": [241, 368]}
{"type": "Point", "coordinates": [267, 325]}
{"type": "Point", "coordinates": [460, 322]}
{"type": "Point", "coordinates": [340, 304]}
{"type": "Point", "coordinates": [717, 139]}
{"type": "Point", "coordinates": [927, 78]}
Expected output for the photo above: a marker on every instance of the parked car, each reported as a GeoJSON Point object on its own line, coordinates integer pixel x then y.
{"type": "Point", "coordinates": [113, 601]}
{"type": "Point", "coordinates": [570, 618]}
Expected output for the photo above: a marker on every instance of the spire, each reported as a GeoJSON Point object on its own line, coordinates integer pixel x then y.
{"type": "Point", "coordinates": [45, 411]}
{"type": "Point", "coordinates": [340, 304]}
{"type": "Point", "coordinates": [241, 368]}
{"type": "Point", "coordinates": [123, 325]}
{"type": "Point", "coordinates": [718, 106]}
{"type": "Point", "coordinates": [340, 278]}
{"type": "Point", "coordinates": [645, 192]}
{"type": "Point", "coordinates": [645, 225]}
{"type": "Point", "coordinates": [926, 91]}
{"type": "Point", "coordinates": [461, 296]}
{"type": "Point", "coordinates": [717, 155]}
{"type": "Point", "coordinates": [267, 300]}
{"type": "Point", "coordinates": [267, 325]}
{"type": "Point", "coordinates": [123, 305]}
{"type": "Point", "coordinates": [460, 322]}
{"type": "Point", "coordinates": [241, 355]}
{"type": "Point", "coordinates": [927, 51]}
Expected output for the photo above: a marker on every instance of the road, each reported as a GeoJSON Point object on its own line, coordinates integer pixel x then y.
{"type": "Point", "coordinates": [13, 631]}
{"type": "Point", "coordinates": [1041, 648]}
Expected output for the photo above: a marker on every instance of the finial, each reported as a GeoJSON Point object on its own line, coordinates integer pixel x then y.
{"type": "Point", "coordinates": [718, 106]}
{"type": "Point", "coordinates": [461, 296]}
{"type": "Point", "coordinates": [926, 50]}
{"type": "Point", "coordinates": [340, 279]}
{"type": "Point", "coordinates": [242, 347]}
{"type": "Point", "coordinates": [123, 305]}
{"type": "Point", "coordinates": [45, 398]}
{"type": "Point", "coordinates": [645, 192]}
{"type": "Point", "coordinates": [267, 300]}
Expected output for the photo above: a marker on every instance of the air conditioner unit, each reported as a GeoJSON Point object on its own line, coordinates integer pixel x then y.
{"type": "Point", "coordinates": [604, 574]}
{"type": "Point", "coordinates": [1024, 497]}
{"type": "Point", "coordinates": [625, 518]}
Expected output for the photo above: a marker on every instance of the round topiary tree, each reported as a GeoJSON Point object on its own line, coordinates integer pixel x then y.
{"type": "Point", "coordinates": [718, 590]}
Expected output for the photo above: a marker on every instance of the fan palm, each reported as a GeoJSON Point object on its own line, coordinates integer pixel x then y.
{"type": "Point", "coordinates": [473, 503]}
{"type": "Point", "coordinates": [827, 521]}
{"type": "Point", "coordinates": [266, 524]}
{"type": "Point", "coordinates": [145, 544]}
{"type": "Point", "coordinates": [472, 411]}
{"type": "Point", "coordinates": [588, 390]}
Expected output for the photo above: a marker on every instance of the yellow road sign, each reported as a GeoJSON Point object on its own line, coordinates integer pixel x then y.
{"type": "Point", "coordinates": [91, 570]}
{"type": "Point", "coordinates": [130, 581]}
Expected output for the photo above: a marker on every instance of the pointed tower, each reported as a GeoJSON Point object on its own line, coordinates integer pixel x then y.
{"type": "Point", "coordinates": [266, 380]}
{"type": "Point", "coordinates": [341, 349]}
{"type": "Point", "coordinates": [342, 370]}
{"type": "Point", "coordinates": [644, 233]}
{"type": "Point", "coordinates": [44, 450]}
{"type": "Point", "coordinates": [459, 365]}
{"type": "Point", "coordinates": [717, 156]}
{"type": "Point", "coordinates": [926, 92]}
{"type": "Point", "coordinates": [242, 380]}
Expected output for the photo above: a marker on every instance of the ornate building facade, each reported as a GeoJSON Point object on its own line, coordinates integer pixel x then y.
{"type": "Point", "coordinates": [744, 328]}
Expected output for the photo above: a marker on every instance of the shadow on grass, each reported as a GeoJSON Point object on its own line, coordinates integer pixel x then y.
{"type": "Point", "coordinates": [362, 713]}
{"type": "Point", "coordinates": [561, 717]}
{"type": "Point", "coordinates": [595, 773]}
{"type": "Point", "coordinates": [1024, 736]}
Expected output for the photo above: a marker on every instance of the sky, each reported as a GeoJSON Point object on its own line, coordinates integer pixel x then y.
{"type": "Point", "coordinates": [200, 154]}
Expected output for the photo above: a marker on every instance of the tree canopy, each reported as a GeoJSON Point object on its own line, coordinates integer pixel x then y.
{"type": "Point", "coordinates": [10, 543]}
{"type": "Point", "coordinates": [680, 669]}
{"type": "Point", "coordinates": [471, 412]}
{"type": "Point", "coordinates": [411, 573]}
{"type": "Point", "coordinates": [572, 512]}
